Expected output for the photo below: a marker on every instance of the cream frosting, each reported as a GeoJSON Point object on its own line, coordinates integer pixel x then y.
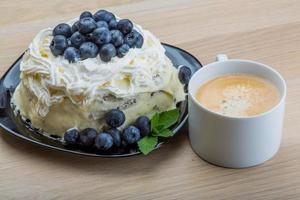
{"type": "Point", "coordinates": [86, 83]}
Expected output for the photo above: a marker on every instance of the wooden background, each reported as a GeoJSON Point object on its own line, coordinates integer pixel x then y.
{"type": "Point", "coordinates": [264, 30]}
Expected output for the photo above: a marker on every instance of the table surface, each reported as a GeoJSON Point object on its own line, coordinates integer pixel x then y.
{"type": "Point", "coordinates": [264, 30]}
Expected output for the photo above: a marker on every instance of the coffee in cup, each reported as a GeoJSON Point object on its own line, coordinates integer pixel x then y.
{"type": "Point", "coordinates": [238, 95]}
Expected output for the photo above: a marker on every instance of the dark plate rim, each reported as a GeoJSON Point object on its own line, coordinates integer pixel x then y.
{"type": "Point", "coordinates": [81, 153]}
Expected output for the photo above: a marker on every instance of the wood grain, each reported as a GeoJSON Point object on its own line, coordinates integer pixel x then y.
{"type": "Point", "coordinates": [263, 30]}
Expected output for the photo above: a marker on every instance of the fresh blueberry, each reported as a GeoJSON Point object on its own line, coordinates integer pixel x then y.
{"type": "Point", "coordinates": [184, 74]}
{"type": "Point", "coordinates": [131, 134]}
{"type": "Point", "coordinates": [58, 45]}
{"type": "Point", "coordinates": [88, 50]}
{"type": "Point", "coordinates": [72, 54]}
{"type": "Point", "coordinates": [74, 27]}
{"type": "Point", "coordinates": [107, 52]}
{"type": "Point", "coordinates": [77, 39]}
{"type": "Point", "coordinates": [103, 141]}
{"type": "Point", "coordinates": [131, 38]}
{"type": "Point", "coordinates": [86, 25]}
{"type": "Point", "coordinates": [122, 50]}
{"type": "Point", "coordinates": [104, 15]}
{"type": "Point", "coordinates": [101, 36]}
{"type": "Point", "coordinates": [62, 29]}
{"type": "Point", "coordinates": [87, 137]}
{"type": "Point", "coordinates": [139, 41]}
{"type": "Point", "coordinates": [143, 123]}
{"type": "Point", "coordinates": [102, 24]}
{"type": "Point", "coordinates": [116, 38]}
{"type": "Point", "coordinates": [113, 24]}
{"type": "Point", "coordinates": [125, 26]}
{"type": "Point", "coordinates": [99, 15]}
{"type": "Point", "coordinates": [85, 14]}
{"type": "Point", "coordinates": [71, 136]}
{"type": "Point", "coordinates": [116, 135]}
{"type": "Point", "coordinates": [115, 118]}
{"type": "Point", "coordinates": [109, 16]}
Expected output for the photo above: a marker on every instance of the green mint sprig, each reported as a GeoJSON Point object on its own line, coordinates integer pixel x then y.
{"type": "Point", "coordinates": [160, 124]}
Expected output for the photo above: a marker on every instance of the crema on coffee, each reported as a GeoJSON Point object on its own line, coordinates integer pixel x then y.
{"type": "Point", "coordinates": [238, 95]}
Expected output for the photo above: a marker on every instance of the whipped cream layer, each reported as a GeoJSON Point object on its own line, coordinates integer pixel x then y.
{"type": "Point", "coordinates": [93, 86]}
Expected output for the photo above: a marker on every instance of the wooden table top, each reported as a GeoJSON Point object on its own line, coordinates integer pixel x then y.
{"type": "Point", "coordinates": [267, 31]}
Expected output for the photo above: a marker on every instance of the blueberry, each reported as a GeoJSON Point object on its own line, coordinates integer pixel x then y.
{"type": "Point", "coordinates": [62, 29]}
{"type": "Point", "coordinates": [71, 136]}
{"type": "Point", "coordinates": [58, 45]}
{"type": "Point", "coordinates": [107, 52]}
{"type": "Point", "coordinates": [87, 137]}
{"type": "Point", "coordinates": [109, 16]}
{"type": "Point", "coordinates": [74, 27]}
{"type": "Point", "coordinates": [116, 135]}
{"type": "Point", "coordinates": [115, 118]}
{"type": "Point", "coordinates": [122, 50]}
{"type": "Point", "coordinates": [77, 39]}
{"type": "Point", "coordinates": [116, 38]}
{"type": "Point", "coordinates": [104, 15]}
{"type": "Point", "coordinates": [85, 14]}
{"type": "Point", "coordinates": [134, 39]}
{"type": "Point", "coordinates": [72, 54]}
{"type": "Point", "coordinates": [101, 36]}
{"type": "Point", "coordinates": [102, 24]}
{"type": "Point", "coordinates": [99, 15]}
{"type": "Point", "coordinates": [184, 74]}
{"type": "Point", "coordinates": [86, 25]}
{"type": "Point", "coordinates": [125, 26]}
{"type": "Point", "coordinates": [131, 38]}
{"type": "Point", "coordinates": [103, 141]}
{"type": "Point", "coordinates": [131, 134]}
{"type": "Point", "coordinates": [113, 24]}
{"type": "Point", "coordinates": [143, 123]}
{"type": "Point", "coordinates": [139, 41]}
{"type": "Point", "coordinates": [88, 50]}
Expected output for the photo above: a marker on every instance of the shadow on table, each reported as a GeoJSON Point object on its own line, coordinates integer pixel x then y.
{"type": "Point", "coordinates": [128, 165]}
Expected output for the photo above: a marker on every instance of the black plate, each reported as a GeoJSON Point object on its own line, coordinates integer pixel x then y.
{"type": "Point", "coordinates": [12, 124]}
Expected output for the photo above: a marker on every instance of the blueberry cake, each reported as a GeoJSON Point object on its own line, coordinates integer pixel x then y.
{"type": "Point", "coordinates": [94, 73]}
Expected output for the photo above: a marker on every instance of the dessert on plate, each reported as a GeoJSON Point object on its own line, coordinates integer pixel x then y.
{"type": "Point", "coordinates": [95, 73]}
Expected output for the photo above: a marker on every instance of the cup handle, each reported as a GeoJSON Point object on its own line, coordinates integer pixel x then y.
{"type": "Point", "coordinates": [221, 57]}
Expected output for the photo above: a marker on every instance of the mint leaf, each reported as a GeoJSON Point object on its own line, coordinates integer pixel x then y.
{"type": "Point", "coordinates": [165, 133]}
{"type": "Point", "coordinates": [158, 128]}
{"type": "Point", "coordinates": [147, 144]}
{"type": "Point", "coordinates": [154, 121]}
{"type": "Point", "coordinates": [160, 122]}
{"type": "Point", "coordinates": [167, 118]}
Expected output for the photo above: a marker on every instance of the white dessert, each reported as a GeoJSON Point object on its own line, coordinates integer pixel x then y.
{"type": "Point", "coordinates": [56, 95]}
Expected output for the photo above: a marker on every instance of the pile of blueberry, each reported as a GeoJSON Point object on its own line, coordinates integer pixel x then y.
{"type": "Point", "coordinates": [100, 33]}
{"type": "Point", "coordinates": [112, 138]}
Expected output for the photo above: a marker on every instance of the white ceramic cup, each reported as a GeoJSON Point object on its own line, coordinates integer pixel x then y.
{"type": "Point", "coordinates": [235, 142]}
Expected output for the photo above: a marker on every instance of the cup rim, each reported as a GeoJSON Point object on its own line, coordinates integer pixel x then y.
{"type": "Point", "coordinates": [282, 98]}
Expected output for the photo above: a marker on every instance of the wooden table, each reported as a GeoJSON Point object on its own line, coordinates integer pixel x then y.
{"type": "Point", "coordinates": [264, 30]}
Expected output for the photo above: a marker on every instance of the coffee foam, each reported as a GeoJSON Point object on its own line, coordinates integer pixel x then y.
{"type": "Point", "coordinates": [238, 95]}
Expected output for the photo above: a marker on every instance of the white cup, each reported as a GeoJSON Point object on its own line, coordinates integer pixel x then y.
{"type": "Point", "coordinates": [235, 142]}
